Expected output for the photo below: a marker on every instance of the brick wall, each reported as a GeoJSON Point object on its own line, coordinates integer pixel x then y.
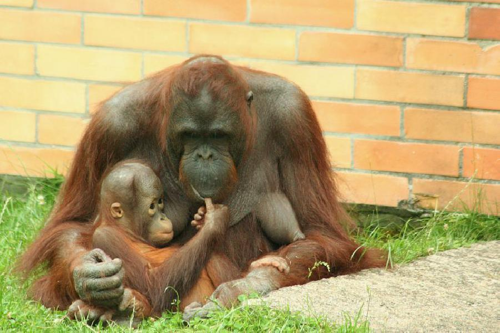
{"type": "Point", "coordinates": [407, 92]}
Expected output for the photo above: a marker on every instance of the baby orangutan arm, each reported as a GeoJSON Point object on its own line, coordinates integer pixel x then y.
{"type": "Point", "coordinates": [180, 272]}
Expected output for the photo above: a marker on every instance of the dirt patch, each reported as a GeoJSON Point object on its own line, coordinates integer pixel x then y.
{"type": "Point", "coordinates": [456, 290]}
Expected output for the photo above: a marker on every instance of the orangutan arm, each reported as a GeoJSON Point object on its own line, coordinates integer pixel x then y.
{"type": "Point", "coordinates": [74, 272]}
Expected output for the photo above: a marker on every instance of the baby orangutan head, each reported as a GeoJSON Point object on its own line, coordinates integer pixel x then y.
{"type": "Point", "coordinates": [131, 195]}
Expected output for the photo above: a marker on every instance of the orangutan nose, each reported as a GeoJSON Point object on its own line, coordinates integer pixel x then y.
{"type": "Point", "coordinates": [205, 154]}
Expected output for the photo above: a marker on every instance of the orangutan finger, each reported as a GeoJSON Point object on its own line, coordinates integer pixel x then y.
{"type": "Point", "coordinates": [96, 256]}
{"type": "Point", "coordinates": [107, 316]}
{"type": "Point", "coordinates": [209, 205]}
{"type": "Point", "coordinates": [106, 283]}
{"type": "Point", "coordinates": [76, 307]}
{"type": "Point", "coordinates": [99, 270]}
{"type": "Point", "coordinates": [108, 295]}
{"type": "Point", "coordinates": [80, 310]}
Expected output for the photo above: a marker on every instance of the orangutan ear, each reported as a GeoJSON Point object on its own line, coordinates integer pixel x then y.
{"type": "Point", "coordinates": [116, 210]}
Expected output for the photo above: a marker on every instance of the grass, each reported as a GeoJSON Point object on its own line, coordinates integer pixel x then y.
{"type": "Point", "coordinates": [424, 236]}
{"type": "Point", "coordinates": [22, 216]}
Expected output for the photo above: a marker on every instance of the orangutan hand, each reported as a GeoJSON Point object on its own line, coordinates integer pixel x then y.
{"type": "Point", "coordinates": [259, 280]}
{"type": "Point", "coordinates": [99, 279]}
{"type": "Point", "coordinates": [211, 217]}
{"type": "Point", "coordinates": [79, 310]}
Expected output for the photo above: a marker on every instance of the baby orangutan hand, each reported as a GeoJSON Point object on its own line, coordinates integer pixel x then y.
{"type": "Point", "coordinates": [214, 217]}
{"type": "Point", "coordinates": [277, 262]}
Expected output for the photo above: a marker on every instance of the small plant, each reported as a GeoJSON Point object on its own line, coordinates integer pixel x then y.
{"type": "Point", "coordinates": [316, 265]}
{"type": "Point", "coordinates": [177, 300]}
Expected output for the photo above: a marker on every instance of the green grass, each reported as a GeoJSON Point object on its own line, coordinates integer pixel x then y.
{"type": "Point", "coordinates": [424, 236]}
{"type": "Point", "coordinates": [22, 216]}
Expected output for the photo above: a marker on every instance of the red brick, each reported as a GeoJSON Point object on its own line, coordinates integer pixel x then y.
{"type": "Point", "coordinates": [17, 3]}
{"type": "Point", "coordinates": [328, 81]}
{"type": "Point", "coordinates": [406, 157]}
{"type": "Point", "coordinates": [409, 87]}
{"type": "Point", "coordinates": [481, 163]}
{"type": "Point", "coordinates": [463, 126]}
{"type": "Point", "coordinates": [483, 1]}
{"type": "Point", "coordinates": [452, 56]}
{"type": "Point", "coordinates": [358, 118]}
{"type": "Point", "coordinates": [484, 23]}
{"type": "Point", "coordinates": [17, 58]}
{"type": "Point", "coordinates": [411, 17]}
{"type": "Point", "coordinates": [60, 130]}
{"type": "Point", "coordinates": [89, 63]}
{"type": "Point", "coordinates": [483, 93]}
{"type": "Point", "coordinates": [232, 40]}
{"type": "Point", "coordinates": [340, 151]}
{"type": "Point", "coordinates": [43, 95]}
{"type": "Point", "coordinates": [33, 161]}
{"type": "Point", "coordinates": [329, 13]}
{"type": "Point", "coordinates": [17, 126]}
{"type": "Point", "coordinates": [484, 198]}
{"type": "Point", "coordinates": [102, 6]}
{"type": "Point", "coordinates": [351, 48]}
{"type": "Point", "coordinates": [372, 189]}
{"type": "Point", "coordinates": [38, 26]}
{"type": "Point", "coordinates": [135, 33]}
{"type": "Point", "coordinates": [222, 10]}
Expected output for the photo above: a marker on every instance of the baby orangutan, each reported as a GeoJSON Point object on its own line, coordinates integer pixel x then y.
{"type": "Point", "coordinates": [131, 217]}
{"type": "Point", "coordinates": [130, 226]}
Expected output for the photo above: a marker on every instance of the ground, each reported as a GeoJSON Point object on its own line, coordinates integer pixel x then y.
{"type": "Point", "coordinates": [452, 291]}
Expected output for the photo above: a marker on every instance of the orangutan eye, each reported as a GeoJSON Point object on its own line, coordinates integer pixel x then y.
{"type": "Point", "coordinates": [151, 210]}
{"type": "Point", "coordinates": [160, 203]}
{"type": "Point", "coordinates": [189, 135]}
{"type": "Point", "coordinates": [219, 135]}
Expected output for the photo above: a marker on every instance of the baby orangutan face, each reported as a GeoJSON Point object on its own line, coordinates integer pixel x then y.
{"type": "Point", "coordinates": [134, 195]}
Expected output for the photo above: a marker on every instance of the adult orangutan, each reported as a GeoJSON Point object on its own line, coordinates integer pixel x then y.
{"type": "Point", "coordinates": [211, 130]}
